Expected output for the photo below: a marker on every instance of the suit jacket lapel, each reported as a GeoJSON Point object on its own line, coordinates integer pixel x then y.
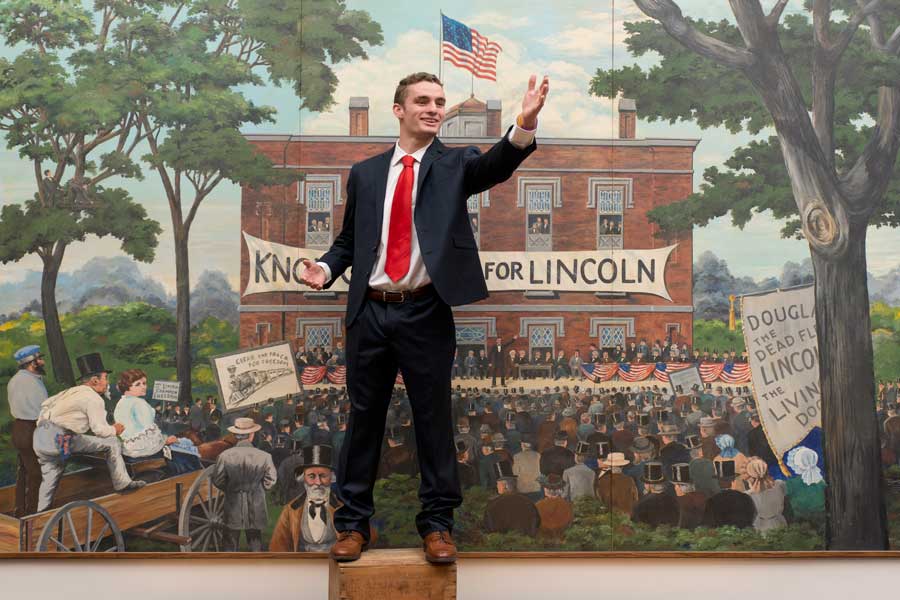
{"type": "Point", "coordinates": [432, 154]}
{"type": "Point", "coordinates": [382, 167]}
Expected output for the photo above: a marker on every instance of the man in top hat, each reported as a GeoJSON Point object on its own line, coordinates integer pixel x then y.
{"type": "Point", "coordinates": [642, 451]}
{"type": "Point", "coordinates": [617, 490]}
{"type": "Point", "coordinates": [63, 425]}
{"type": "Point", "coordinates": [557, 458]}
{"type": "Point", "coordinates": [307, 523]}
{"type": "Point", "coordinates": [244, 473]}
{"type": "Point", "coordinates": [672, 451]}
{"type": "Point", "coordinates": [579, 479]}
{"type": "Point", "coordinates": [498, 360]}
{"type": "Point", "coordinates": [397, 457]}
{"type": "Point", "coordinates": [655, 507]}
{"type": "Point", "coordinates": [510, 510]}
{"type": "Point", "coordinates": [337, 438]}
{"type": "Point", "coordinates": [555, 510]}
{"type": "Point", "coordinates": [468, 475]}
{"type": "Point", "coordinates": [691, 503]}
{"type": "Point", "coordinates": [728, 506]}
{"type": "Point", "coordinates": [26, 392]}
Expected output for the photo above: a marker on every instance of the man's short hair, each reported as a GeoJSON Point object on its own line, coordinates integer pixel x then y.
{"type": "Point", "coordinates": [400, 92]}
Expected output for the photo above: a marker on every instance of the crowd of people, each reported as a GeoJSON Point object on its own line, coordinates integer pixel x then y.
{"type": "Point", "coordinates": [501, 361]}
{"type": "Point", "coordinates": [680, 458]}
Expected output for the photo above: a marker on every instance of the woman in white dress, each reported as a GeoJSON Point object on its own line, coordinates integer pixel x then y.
{"type": "Point", "coordinates": [142, 436]}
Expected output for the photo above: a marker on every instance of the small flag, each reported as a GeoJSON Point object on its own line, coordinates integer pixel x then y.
{"type": "Point", "coordinates": [468, 49]}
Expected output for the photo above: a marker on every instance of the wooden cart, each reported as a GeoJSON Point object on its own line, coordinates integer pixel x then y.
{"type": "Point", "coordinates": [88, 516]}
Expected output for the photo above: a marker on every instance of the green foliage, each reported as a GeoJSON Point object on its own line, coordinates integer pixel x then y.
{"type": "Point", "coordinates": [328, 34]}
{"type": "Point", "coordinates": [714, 335]}
{"type": "Point", "coordinates": [756, 179]}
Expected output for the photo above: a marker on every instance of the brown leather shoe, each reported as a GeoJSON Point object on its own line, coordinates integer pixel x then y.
{"type": "Point", "coordinates": [348, 547]}
{"type": "Point", "coordinates": [439, 547]}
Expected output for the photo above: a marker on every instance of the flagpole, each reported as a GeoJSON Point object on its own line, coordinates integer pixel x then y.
{"type": "Point", "coordinates": [441, 46]}
{"type": "Point", "coordinates": [473, 84]}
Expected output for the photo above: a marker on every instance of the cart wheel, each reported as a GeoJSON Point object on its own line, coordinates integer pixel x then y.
{"type": "Point", "coordinates": [62, 534]}
{"type": "Point", "coordinates": [202, 516]}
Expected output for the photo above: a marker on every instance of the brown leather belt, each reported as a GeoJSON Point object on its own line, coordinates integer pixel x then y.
{"type": "Point", "coordinates": [400, 295]}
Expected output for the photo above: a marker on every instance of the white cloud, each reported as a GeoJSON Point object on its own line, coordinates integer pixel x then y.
{"type": "Point", "coordinates": [592, 33]}
{"type": "Point", "coordinates": [569, 112]}
{"type": "Point", "coordinates": [497, 20]}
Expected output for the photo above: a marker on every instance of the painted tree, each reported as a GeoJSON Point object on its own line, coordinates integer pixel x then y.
{"type": "Point", "coordinates": [194, 61]}
{"type": "Point", "coordinates": [65, 105]}
{"type": "Point", "coordinates": [827, 80]}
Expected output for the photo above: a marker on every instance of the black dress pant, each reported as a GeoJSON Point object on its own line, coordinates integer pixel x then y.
{"type": "Point", "coordinates": [418, 337]}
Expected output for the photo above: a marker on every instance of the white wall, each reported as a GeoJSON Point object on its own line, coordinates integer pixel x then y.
{"type": "Point", "coordinates": [524, 579]}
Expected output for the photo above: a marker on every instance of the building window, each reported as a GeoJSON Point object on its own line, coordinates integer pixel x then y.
{"type": "Point", "coordinates": [262, 333]}
{"type": "Point", "coordinates": [610, 216]}
{"type": "Point", "coordinates": [611, 196]}
{"type": "Point", "coordinates": [320, 194]}
{"type": "Point", "coordinates": [539, 225]}
{"type": "Point", "coordinates": [541, 340]}
{"type": "Point", "coordinates": [612, 336]}
{"type": "Point", "coordinates": [539, 196]}
{"type": "Point", "coordinates": [473, 206]}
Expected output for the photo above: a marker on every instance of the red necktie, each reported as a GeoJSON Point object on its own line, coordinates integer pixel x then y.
{"type": "Point", "coordinates": [400, 228]}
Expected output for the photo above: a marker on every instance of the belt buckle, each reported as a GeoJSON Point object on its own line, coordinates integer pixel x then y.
{"type": "Point", "coordinates": [384, 296]}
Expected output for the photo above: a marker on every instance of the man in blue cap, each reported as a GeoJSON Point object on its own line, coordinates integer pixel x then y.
{"type": "Point", "coordinates": [25, 393]}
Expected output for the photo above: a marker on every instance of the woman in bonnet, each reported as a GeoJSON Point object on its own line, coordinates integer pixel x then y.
{"type": "Point", "coordinates": [767, 495]}
{"type": "Point", "coordinates": [806, 491]}
{"type": "Point", "coordinates": [142, 437]}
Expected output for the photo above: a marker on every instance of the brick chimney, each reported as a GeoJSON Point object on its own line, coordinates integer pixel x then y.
{"type": "Point", "coordinates": [493, 119]}
{"type": "Point", "coordinates": [627, 118]}
{"type": "Point", "coordinates": [359, 116]}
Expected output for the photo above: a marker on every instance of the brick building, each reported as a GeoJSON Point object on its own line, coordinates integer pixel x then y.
{"type": "Point", "coordinates": [586, 195]}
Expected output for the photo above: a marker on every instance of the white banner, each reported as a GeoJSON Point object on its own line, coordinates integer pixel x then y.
{"type": "Point", "coordinates": [277, 268]}
{"type": "Point", "coordinates": [780, 333]}
{"type": "Point", "coordinates": [166, 391]}
{"type": "Point", "coordinates": [255, 375]}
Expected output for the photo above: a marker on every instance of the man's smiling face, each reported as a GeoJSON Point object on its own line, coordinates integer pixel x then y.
{"type": "Point", "coordinates": [422, 110]}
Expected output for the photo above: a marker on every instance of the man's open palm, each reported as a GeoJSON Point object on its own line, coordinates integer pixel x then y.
{"type": "Point", "coordinates": [313, 275]}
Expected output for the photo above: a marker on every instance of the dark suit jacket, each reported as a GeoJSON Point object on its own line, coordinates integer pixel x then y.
{"type": "Point", "coordinates": [447, 177]}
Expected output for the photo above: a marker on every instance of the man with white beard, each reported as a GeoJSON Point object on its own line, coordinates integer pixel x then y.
{"type": "Point", "coordinates": [307, 523]}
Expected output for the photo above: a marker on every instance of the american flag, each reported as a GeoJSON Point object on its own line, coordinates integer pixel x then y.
{"type": "Point", "coordinates": [726, 372]}
{"type": "Point", "coordinates": [312, 375]}
{"type": "Point", "coordinates": [468, 49]}
{"type": "Point", "coordinates": [338, 375]}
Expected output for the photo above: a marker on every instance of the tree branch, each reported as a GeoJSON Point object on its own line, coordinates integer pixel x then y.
{"type": "Point", "coordinates": [669, 16]}
{"type": "Point", "coordinates": [824, 73]}
{"type": "Point", "coordinates": [843, 38]}
{"type": "Point", "coordinates": [775, 14]}
{"type": "Point", "coordinates": [864, 184]}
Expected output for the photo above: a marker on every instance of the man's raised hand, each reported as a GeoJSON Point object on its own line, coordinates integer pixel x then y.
{"type": "Point", "coordinates": [313, 275]}
{"type": "Point", "coordinates": [533, 102]}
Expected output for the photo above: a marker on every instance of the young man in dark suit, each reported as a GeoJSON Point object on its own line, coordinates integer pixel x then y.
{"type": "Point", "coordinates": [406, 233]}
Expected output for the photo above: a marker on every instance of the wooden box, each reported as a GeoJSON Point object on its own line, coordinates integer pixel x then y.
{"type": "Point", "coordinates": [391, 575]}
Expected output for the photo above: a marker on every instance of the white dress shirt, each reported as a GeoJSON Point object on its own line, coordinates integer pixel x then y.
{"type": "Point", "coordinates": [79, 409]}
{"type": "Point", "coordinates": [417, 276]}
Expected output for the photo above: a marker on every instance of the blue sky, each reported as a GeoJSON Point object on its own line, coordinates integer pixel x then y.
{"type": "Point", "coordinates": [566, 40]}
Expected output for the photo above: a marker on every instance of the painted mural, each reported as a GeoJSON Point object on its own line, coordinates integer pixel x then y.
{"type": "Point", "coordinates": [690, 339]}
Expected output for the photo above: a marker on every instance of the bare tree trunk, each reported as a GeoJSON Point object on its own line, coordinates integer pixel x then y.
{"type": "Point", "coordinates": [183, 358]}
{"type": "Point", "coordinates": [59, 354]}
{"type": "Point", "coordinates": [855, 492]}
